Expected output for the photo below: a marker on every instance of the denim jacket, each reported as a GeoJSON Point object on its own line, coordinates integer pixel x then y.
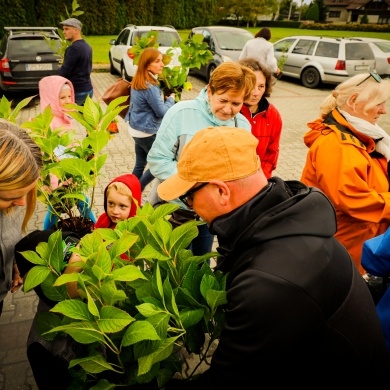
{"type": "Point", "coordinates": [147, 108]}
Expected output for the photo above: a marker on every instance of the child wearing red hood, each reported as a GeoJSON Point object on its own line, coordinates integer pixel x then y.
{"type": "Point", "coordinates": [122, 197]}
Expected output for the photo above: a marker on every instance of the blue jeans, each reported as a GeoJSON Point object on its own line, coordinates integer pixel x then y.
{"type": "Point", "coordinates": [51, 219]}
{"type": "Point", "coordinates": [142, 147]}
{"type": "Point", "coordinates": [80, 97]}
{"type": "Point", "coordinates": [203, 243]}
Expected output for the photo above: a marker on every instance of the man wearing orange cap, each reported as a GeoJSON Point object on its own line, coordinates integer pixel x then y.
{"type": "Point", "coordinates": [298, 309]}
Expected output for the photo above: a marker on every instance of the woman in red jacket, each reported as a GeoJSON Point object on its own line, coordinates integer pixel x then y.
{"type": "Point", "coordinates": [263, 116]}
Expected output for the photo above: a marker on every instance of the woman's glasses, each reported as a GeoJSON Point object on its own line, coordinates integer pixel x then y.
{"type": "Point", "coordinates": [375, 76]}
{"type": "Point", "coordinates": [187, 198]}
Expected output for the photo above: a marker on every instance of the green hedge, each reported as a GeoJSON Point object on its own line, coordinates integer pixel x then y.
{"type": "Point", "coordinates": [108, 17]}
{"type": "Point", "coordinates": [346, 27]}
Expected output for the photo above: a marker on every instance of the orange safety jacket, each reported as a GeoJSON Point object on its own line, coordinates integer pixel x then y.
{"type": "Point", "coordinates": [343, 164]}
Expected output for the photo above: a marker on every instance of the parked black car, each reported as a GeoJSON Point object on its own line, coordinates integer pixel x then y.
{"type": "Point", "coordinates": [26, 55]}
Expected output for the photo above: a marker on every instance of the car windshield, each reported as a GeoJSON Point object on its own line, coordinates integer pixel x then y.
{"type": "Point", "coordinates": [232, 41]}
{"type": "Point", "coordinates": [30, 46]}
{"type": "Point", "coordinates": [165, 38]}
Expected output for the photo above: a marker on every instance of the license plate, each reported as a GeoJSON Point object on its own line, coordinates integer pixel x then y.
{"type": "Point", "coordinates": [362, 67]}
{"type": "Point", "coordinates": [39, 66]}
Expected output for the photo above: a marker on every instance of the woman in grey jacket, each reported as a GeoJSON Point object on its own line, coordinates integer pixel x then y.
{"type": "Point", "coordinates": [20, 167]}
{"type": "Point", "coordinates": [147, 108]}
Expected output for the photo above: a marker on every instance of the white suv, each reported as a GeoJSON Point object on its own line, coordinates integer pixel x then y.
{"type": "Point", "coordinates": [316, 60]}
{"type": "Point", "coordinates": [121, 62]}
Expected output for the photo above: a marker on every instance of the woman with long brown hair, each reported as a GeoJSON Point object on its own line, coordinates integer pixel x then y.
{"type": "Point", "coordinates": [147, 108]}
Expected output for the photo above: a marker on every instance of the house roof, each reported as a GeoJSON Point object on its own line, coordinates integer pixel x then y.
{"type": "Point", "coordinates": [351, 4]}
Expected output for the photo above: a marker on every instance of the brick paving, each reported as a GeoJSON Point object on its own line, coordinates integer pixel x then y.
{"type": "Point", "coordinates": [297, 105]}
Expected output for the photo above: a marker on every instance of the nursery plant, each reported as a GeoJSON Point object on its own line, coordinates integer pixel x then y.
{"type": "Point", "coordinates": [193, 54]}
{"type": "Point", "coordinates": [135, 319]}
{"type": "Point", "coordinates": [85, 157]}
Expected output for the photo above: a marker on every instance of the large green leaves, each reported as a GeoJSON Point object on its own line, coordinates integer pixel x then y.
{"type": "Point", "coordinates": [134, 315]}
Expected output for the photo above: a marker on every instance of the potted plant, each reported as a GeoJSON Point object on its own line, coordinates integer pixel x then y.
{"type": "Point", "coordinates": [134, 320]}
{"type": "Point", "coordinates": [85, 157]}
{"type": "Point", "coordinates": [193, 54]}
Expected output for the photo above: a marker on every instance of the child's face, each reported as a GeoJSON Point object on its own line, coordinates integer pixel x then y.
{"type": "Point", "coordinates": [118, 206]}
{"type": "Point", "coordinates": [65, 97]}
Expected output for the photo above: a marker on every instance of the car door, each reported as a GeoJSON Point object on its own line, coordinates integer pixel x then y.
{"type": "Point", "coordinates": [120, 49]}
{"type": "Point", "coordinates": [301, 52]}
{"type": "Point", "coordinates": [282, 51]}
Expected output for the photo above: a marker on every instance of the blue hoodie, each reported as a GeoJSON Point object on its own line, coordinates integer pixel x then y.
{"type": "Point", "coordinates": [179, 125]}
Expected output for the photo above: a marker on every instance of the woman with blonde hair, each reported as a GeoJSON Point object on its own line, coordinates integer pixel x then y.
{"type": "Point", "coordinates": [20, 168]}
{"type": "Point", "coordinates": [146, 110]}
{"type": "Point", "coordinates": [348, 159]}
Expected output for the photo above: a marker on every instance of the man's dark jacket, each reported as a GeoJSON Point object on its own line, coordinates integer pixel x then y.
{"type": "Point", "coordinates": [298, 312]}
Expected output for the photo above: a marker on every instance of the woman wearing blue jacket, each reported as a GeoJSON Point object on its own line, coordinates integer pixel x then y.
{"type": "Point", "coordinates": [147, 108]}
{"type": "Point", "coordinates": [218, 104]}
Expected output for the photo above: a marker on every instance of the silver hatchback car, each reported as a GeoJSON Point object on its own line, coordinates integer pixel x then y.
{"type": "Point", "coordinates": [316, 60]}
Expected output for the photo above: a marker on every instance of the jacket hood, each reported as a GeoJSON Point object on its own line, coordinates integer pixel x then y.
{"type": "Point", "coordinates": [49, 93]}
{"type": "Point", "coordinates": [134, 185]}
{"type": "Point", "coordinates": [281, 209]}
{"type": "Point", "coordinates": [336, 122]}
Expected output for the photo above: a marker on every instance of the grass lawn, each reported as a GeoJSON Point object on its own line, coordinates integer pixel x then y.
{"type": "Point", "coordinates": [101, 46]}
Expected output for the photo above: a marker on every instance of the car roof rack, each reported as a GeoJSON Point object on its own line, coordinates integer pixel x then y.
{"type": "Point", "coordinates": [30, 29]}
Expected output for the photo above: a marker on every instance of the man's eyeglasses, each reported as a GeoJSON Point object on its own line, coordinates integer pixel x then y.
{"type": "Point", "coordinates": [188, 197]}
{"type": "Point", "coordinates": [375, 76]}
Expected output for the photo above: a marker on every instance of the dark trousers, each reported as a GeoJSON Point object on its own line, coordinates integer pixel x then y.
{"type": "Point", "coordinates": [142, 147]}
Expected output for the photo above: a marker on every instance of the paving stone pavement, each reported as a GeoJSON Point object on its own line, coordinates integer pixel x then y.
{"type": "Point", "coordinates": [297, 105]}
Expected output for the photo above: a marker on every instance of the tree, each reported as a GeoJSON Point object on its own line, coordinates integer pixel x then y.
{"type": "Point", "coordinates": [284, 9]}
{"type": "Point", "coordinates": [313, 12]}
{"type": "Point", "coordinates": [252, 9]}
{"type": "Point", "coordinates": [322, 10]}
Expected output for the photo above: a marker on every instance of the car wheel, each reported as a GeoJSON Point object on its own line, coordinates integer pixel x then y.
{"type": "Point", "coordinates": [112, 69]}
{"type": "Point", "coordinates": [209, 71]}
{"type": "Point", "coordinates": [310, 78]}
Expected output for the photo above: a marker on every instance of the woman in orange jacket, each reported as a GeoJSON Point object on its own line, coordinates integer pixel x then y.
{"type": "Point", "coordinates": [348, 159]}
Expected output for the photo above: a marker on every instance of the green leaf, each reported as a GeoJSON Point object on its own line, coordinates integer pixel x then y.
{"type": "Point", "coordinates": [92, 364]}
{"type": "Point", "coordinates": [103, 384]}
{"type": "Point", "coordinates": [148, 252]}
{"type": "Point", "coordinates": [55, 252]}
{"type": "Point", "coordinates": [73, 308]}
{"type": "Point", "coordinates": [124, 244]}
{"type": "Point", "coordinates": [32, 257]}
{"type": "Point", "coordinates": [82, 332]}
{"type": "Point", "coordinates": [92, 305]}
{"type": "Point", "coordinates": [35, 276]}
{"type": "Point", "coordinates": [189, 317]}
{"type": "Point", "coordinates": [147, 309]}
{"type": "Point", "coordinates": [216, 298]}
{"type": "Point", "coordinates": [113, 319]}
{"type": "Point", "coordinates": [165, 349]}
{"type": "Point", "coordinates": [139, 331]}
{"type": "Point", "coordinates": [128, 273]}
